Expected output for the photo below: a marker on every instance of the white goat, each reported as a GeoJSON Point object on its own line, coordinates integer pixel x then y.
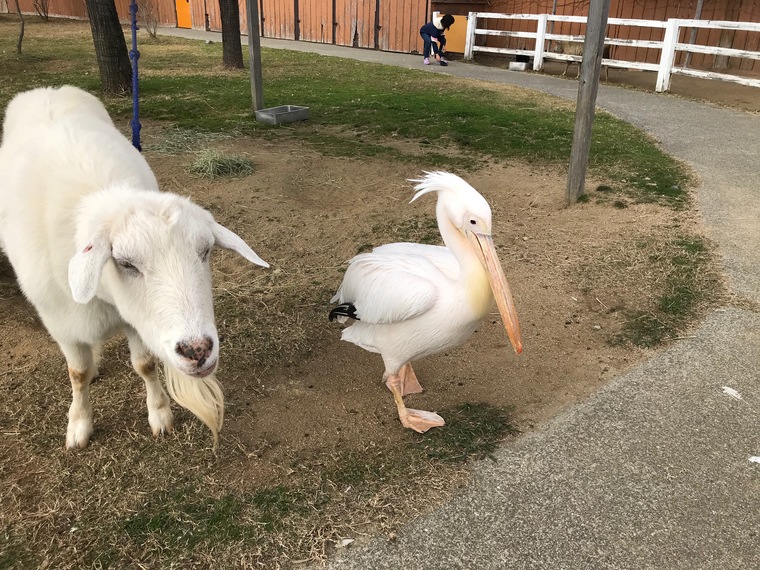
{"type": "Point", "coordinates": [97, 248]}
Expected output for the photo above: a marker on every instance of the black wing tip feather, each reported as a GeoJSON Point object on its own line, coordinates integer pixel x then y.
{"type": "Point", "coordinates": [344, 310]}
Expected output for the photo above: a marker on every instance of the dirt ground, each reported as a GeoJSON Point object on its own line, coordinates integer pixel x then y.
{"type": "Point", "coordinates": [293, 389]}
{"type": "Point", "coordinates": [306, 215]}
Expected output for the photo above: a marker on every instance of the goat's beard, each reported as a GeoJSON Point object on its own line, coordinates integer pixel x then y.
{"type": "Point", "coordinates": [202, 396]}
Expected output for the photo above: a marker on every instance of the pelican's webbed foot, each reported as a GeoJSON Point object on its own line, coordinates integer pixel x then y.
{"type": "Point", "coordinates": [418, 420]}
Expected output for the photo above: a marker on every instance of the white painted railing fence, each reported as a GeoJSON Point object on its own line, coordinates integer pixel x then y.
{"type": "Point", "coordinates": [668, 46]}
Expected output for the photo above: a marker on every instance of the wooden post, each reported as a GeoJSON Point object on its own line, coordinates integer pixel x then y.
{"type": "Point", "coordinates": [551, 25]}
{"type": "Point", "coordinates": [254, 52]}
{"type": "Point", "coordinates": [469, 42]}
{"type": "Point", "coordinates": [726, 39]}
{"type": "Point", "coordinates": [538, 54]}
{"type": "Point", "coordinates": [667, 55]}
{"type": "Point", "coordinates": [593, 48]}
{"type": "Point", "coordinates": [693, 35]}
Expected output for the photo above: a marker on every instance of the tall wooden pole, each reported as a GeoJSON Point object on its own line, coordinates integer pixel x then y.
{"type": "Point", "coordinates": [693, 35]}
{"type": "Point", "coordinates": [588, 87]}
{"type": "Point", "coordinates": [551, 24]}
{"type": "Point", "coordinates": [254, 52]}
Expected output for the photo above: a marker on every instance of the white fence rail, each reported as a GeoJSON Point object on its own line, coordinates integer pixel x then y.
{"type": "Point", "coordinates": [668, 46]}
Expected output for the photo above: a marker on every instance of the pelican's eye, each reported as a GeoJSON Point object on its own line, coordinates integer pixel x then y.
{"type": "Point", "coordinates": [473, 222]}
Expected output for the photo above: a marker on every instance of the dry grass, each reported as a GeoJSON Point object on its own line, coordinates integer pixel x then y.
{"type": "Point", "coordinates": [75, 510]}
{"type": "Point", "coordinates": [159, 139]}
{"type": "Point", "coordinates": [130, 500]}
{"type": "Point", "coordinates": [213, 163]}
{"type": "Point", "coordinates": [177, 499]}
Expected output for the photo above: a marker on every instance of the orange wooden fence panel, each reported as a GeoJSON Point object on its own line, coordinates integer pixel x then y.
{"type": "Point", "coordinates": [77, 9]}
{"type": "Point", "coordinates": [355, 21]}
{"type": "Point", "coordinates": [279, 18]}
{"type": "Point", "coordinates": [198, 14]}
{"type": "Point", "coordinates": [400, 24]}
{"type": "Point", "coordinates": [315, 22]}
{"type": "Point", "coordinates": [393, 25]}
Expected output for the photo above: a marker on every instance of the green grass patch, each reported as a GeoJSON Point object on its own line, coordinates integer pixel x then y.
{"type": "Point", "coordinates": [689, 282]}
{"type": "Point", "coordinates": [184, 518]}
{"type": "Point", "coordinates": [185, 522]}
{"type": "Point", "coordinates": [184, 84]}
{"type": "Point", "coordinates": [472, 431]}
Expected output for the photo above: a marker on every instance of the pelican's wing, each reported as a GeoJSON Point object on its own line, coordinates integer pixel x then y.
{"type": "Point", "coordinates": [438, 255]}
{"type": "Point", "coordinates": [389, 287]}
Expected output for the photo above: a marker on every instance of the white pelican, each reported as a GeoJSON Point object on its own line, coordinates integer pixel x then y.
{"type": "Point", "coordinates": [410, 300]}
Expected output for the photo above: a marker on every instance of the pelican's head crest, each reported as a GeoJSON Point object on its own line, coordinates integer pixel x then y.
{"type": "Point", "coordinates": [461, 202]}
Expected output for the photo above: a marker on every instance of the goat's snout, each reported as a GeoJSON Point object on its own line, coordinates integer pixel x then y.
{"type": "Point", "coordinates": [197, 350]}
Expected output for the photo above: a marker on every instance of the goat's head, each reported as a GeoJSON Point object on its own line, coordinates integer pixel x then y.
{"type": "Point", "coordinates": [148, 253]}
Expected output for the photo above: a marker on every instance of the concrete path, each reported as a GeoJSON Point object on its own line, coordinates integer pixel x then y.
{"type": "Point", "coordinates": [654, 471]}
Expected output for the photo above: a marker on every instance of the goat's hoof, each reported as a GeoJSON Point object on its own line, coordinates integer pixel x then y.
{"type": "Point", "coordinates": [78, 434]}
{"type": "Point", "coordinates": [166, 430]}
{"type": "Point", "coordinates": [161, 421]}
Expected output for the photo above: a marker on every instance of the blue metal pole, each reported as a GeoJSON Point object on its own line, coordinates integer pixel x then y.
{"type": "Point", "coordinates": [134, 55]}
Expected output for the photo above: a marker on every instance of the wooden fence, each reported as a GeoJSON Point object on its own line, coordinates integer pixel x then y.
{"type": "Point", "coordinates": [390, 25]}
{"type": "Point", "coordinates": [653, 10]}
{"type": "Point", "coordinates": [671, 42]}
{"type": "Point", "coordinates": [393, 25]}
{"type": "Point", "coordinates": [165, 9]}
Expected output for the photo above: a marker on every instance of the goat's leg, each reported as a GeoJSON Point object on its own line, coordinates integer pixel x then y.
{"type": "Point", "coordinates": [97, 353]}
{"type": "Point", "coordinates": [81, 363]}
{"type": "Point", "coordinates": [160, 415]}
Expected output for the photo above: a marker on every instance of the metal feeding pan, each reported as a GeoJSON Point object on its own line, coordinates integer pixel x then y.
{"type": "Point", "coordinates": [282, 114]}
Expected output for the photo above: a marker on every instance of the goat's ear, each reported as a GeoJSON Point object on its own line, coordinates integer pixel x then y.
{"type": "Point", "coordinates": [227, 239]}
{"type": "Point", "coordinates": [86, 267]}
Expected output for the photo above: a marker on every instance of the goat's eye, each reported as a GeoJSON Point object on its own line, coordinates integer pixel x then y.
{"type": "Point", "coordinates": [206, 253]}
{"type": "Point", "coordinates": [124, 264]}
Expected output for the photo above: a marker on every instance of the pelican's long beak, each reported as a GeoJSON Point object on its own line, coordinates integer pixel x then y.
{"type": "Point", "coordinates": [484, 247]}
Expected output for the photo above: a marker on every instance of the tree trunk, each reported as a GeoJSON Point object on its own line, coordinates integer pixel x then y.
{"type": "Point", "coordinates": [110, 47]}
{"type": "Point", "coordinates": [232, 48]}
{"type": "Point", "coordinates": [21, 29]}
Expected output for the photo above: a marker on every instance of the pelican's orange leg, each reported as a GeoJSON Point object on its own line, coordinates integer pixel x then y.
{"type": "Point", "coordinates": [418, 420]}
{"type": "Point", "coordinates": [409, 383]}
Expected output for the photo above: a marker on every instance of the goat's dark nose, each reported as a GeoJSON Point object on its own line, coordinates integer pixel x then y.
{"type": "Point", "coordinates": [197, 350]}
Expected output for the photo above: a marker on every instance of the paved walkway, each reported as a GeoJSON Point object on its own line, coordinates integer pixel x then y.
{"type": "Point", "coordinates": [654, 471]}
